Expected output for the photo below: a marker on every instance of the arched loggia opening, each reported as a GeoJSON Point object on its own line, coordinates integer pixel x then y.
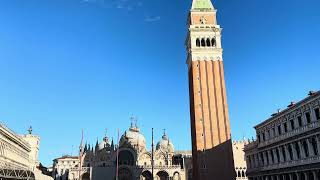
{"type": "Point", "coordinates": [162, 175]}
{"type": "Point", "coordinates": [213, 42]}
{"type": "Point", "coordinates": [203, 42]}
{"type": "Point", "coordinates": [208, 42]}
{"type": "Point", "coordinates": [146, 175]}
{"type": "Point", "coordinates": [198, 42]}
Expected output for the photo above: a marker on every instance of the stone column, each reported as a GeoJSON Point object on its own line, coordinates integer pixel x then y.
{"type": "Point", "coordinates": [252, 162]}
{"type": "Point", "coordinates": [287, 153]}
{"type": "Point", "coordinates": [315, 177]}
{"type": "Point", "coordinates": [312, 114]}
{"type": "Point", "coordinates": [304, 119]}
{"type": "Point", "coordinates": [310, 148]}
{"type": "Point", "coordinates": [256, 160]}
{"type": "Point", "coordinates": [318, 143]}
{"type": "Point", "coordinates": [302, 153]}
{"type": "Point", "coordinates": [272, 177]}
{"type": "Point", "coordinates": [265, 159]}
{"type": "Point", "coordinates": [298, 176]}
{"type": "Point", "coordinates": [248, 162]}
{"type": "Point", "coordinates": [294, 152]}
{"type": "Point", "coordinates": [276, 160]}
{"type": "Point", "coordinates": [269, 156]}
{"type": "Point", "coordinates": [281, 155]}
{"type": "Point", "coordinates": [306, 176]}
{"type": "Point", "coordinates": [290, 176]}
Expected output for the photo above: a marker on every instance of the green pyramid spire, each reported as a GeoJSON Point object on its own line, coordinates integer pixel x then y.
{"type": "Point", "coordinates": [201, 4]}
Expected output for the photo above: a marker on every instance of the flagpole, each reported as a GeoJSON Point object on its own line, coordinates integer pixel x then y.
{"type": "Point", "coordinates": [117, 170]}
{"type": "Point", "coordinates": [80, 155]}
{"type": "Point", "coordinates": [152, 161]}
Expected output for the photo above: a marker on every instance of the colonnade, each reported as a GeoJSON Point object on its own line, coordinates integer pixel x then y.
{"type": "Point", "coordinates": [293, 151]}
{"type": "Point", "coordinates": [305, 175]}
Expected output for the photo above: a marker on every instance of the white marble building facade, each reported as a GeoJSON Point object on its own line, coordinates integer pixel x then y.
{"type": "Point", "coordinates": [239, 159]}
{"type": "Point", "coordinates": [19, 155]}
{"type": "Point", "coordinates": [288, 144]}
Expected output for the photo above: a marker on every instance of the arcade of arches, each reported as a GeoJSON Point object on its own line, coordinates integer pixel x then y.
{"type": "Point", "coordinates": [307, 175]}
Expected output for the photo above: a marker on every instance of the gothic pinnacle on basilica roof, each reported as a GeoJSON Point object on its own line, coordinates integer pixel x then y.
{"type": "Point", "coordinates": [85, 147]}
{"type": "Point", "coordinates": [202, 5]}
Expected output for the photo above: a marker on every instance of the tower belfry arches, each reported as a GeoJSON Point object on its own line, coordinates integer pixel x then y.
{"type": "Point", "coordinates": [210, 126]}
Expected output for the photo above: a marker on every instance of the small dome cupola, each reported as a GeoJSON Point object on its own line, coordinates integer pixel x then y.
{"type": "Point", "coordinates": [104, 144]}
{"type": "Point", "coordinates": [165, 144]}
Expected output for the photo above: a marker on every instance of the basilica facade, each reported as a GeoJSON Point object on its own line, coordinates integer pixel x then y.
{"type": "Point", "coordinates": [135, 160]}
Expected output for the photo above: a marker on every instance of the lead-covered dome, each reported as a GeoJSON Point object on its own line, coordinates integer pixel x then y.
{"type": "Point", "coordinates": [165, 144]}
{"type": "Point", "coordinates": [104, 144]}
{"type": "Point", "coordinates": [134, 138]}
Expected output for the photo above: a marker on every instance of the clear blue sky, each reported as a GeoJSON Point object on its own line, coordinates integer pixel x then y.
{"type": "Point", "coordinates": [72, 64]}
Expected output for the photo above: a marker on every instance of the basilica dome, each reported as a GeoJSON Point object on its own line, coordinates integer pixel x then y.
{"type": "Point", "coordinates": [134, 138]}
{"type": "Point", "coordinates": [165, 145]}
{"type": "Point", "coordinates": [104, 144]}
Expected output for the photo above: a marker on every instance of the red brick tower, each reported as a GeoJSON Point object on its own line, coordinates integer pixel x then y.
{"type": "Point", "coordinates": [210, 126]}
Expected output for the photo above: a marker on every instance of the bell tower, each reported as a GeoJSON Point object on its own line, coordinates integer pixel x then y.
{"type": "Point", "coordinates": [210, 126]}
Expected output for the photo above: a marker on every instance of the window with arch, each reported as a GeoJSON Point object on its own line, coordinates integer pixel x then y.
{"type": "Point", "coordinates": [198, 42]}
{"type": "Point", "coordinates": [208, 42]}
{"type": "Point", "coordinates": [213, 42]}
{"type": "Point", "coordinates": [239, 174]}
{"type": "Point", "coordinates": [203, 42]}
